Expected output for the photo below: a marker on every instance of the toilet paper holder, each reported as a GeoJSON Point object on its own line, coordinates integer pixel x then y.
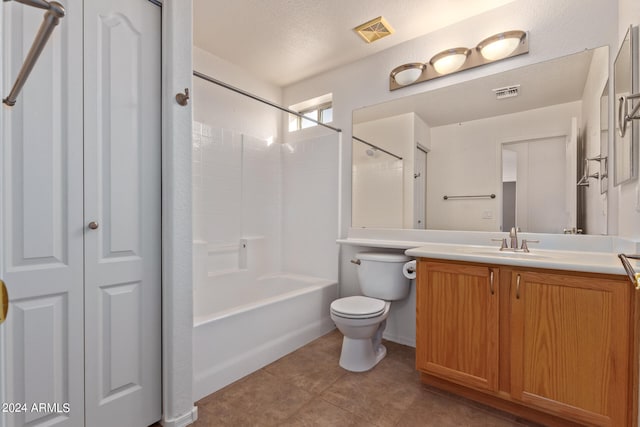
{"type": "Point", "coordinates": [409, 269]}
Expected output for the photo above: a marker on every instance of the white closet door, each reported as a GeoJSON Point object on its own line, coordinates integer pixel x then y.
{"type": "Point", "coordinates": [122, 196]}
{"type": "Point", "coordinates": [41, 343]}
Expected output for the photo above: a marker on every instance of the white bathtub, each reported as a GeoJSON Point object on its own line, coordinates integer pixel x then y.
{"type": "Point", "coordinates": [241, 324]}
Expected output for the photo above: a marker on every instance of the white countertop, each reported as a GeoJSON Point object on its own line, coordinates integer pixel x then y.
{"type": "Point", "coordinates": [593, 262]}
{"type": "Point", "coordinates": [378, 243]}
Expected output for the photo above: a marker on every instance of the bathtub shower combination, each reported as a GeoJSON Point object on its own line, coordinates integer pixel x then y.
{"type": "Point", "coordinates": [252, 323]}
{"type": "Point", "coordinates": [263, 279]}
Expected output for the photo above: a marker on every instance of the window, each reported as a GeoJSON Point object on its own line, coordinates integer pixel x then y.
{"type": "Point", "coordinates": [319, 109]}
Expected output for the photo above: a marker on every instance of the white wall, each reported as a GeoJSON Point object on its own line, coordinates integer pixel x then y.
{"type": "Point", "coordinates": [222, 108]}
{"type": "Point", "coordinates": [596, 204]}
{"type": "Point", "coordinates": [377, 182]}
{"type": "Point", "coordinates": [310, 202]}
{"type": "Point", "coordinates": [397, 135]}
{"type": "Point", "coordinates": [466, 158]}
{"type": "Point", "coordinates": [556, 28]}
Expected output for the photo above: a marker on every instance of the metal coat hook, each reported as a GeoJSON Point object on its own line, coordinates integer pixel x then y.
{"type": "Point", "coordinates": [54, 11]}
{"type": "Point", "coordinates": [183, 98]}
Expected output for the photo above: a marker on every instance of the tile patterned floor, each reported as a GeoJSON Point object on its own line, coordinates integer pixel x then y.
{"type": "Point", "coordinates": [308, 388]}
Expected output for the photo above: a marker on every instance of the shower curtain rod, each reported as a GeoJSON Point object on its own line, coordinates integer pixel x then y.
{"type": "Point", "coordinates": [54, 12]}
{"type": "Point", "coordinates": [257, 98]}
{"type": "Point", "coordinates": [376, 147]}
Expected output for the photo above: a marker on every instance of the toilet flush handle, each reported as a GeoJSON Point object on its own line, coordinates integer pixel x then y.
{"type": "Point", "coordinates": [355, 261]}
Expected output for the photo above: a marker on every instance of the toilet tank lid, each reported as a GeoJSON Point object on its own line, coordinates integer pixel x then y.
{"type": "Point", "coordinates": [382, 257]}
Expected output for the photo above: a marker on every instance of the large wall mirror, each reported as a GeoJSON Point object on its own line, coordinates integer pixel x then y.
{"type": "Point", "coordinates": [504, 150]}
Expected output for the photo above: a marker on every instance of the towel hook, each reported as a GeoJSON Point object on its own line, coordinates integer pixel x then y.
{"type": "Point", "coordinates": [183, 98]}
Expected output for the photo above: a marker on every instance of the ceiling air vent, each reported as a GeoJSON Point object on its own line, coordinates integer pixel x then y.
{"type": "Point", "coordinates": [374, 30]}
{"type": "Point", "coordinates": [507, 91]}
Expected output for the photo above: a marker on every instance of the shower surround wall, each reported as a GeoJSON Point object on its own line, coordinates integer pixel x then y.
{"type": "Point", "coordinates": [254, 196]}
{"type": "Point", "coordinates": [237, 198]}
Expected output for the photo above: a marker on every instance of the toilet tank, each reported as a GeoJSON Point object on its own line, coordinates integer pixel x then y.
{"type": "Point", "coordinates": [380, 275]}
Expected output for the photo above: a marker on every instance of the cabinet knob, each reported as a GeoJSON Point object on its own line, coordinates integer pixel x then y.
{"type": "Point", "coordinates": [93, 225]}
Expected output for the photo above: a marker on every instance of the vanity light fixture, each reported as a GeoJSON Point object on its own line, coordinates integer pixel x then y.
{"type": "Point", "coordinates": [495, 48]}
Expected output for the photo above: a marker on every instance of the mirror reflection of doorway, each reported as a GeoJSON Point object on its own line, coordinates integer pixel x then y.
{"type": "Point", "coordinates": [535, 181]}
{"type": "Point", "coordinates": [509, 182]}
{"type": "Point", "coordinates": [420, 189]}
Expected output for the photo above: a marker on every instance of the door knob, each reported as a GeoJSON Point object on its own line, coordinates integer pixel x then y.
{"type": "Point", "coordinates": [93, 225]}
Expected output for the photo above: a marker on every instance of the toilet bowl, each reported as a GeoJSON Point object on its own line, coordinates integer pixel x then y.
{"type": "Point", "coordinates": [362, 345]}
{"type": "Point", "coordinates": [362, 319]}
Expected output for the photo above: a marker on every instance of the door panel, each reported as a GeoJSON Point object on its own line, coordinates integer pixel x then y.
{"type": "Point", "coordinates": [122, 194]}
{"type": "Point", "coordinates": [41, 343]}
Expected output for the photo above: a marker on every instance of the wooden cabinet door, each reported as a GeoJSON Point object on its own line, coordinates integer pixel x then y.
{"type": "Point", "coordinates": [570, 346]}
{"type": "Point", "coordinates": [457, 323]}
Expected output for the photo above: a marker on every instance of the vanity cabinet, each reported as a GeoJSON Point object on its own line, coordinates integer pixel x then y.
{"type": "Point", "coordinates": [559, 348]}
{"type": "Point", "coordinates": [458, 306]}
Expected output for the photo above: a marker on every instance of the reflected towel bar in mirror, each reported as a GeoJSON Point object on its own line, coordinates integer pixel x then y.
{"type": "Point", "coordinates": [479, 196]}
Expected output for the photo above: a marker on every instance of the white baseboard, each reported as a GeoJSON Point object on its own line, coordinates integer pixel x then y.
{"type": "Point", "coordinates": [183, 420]}
{"type": "Point", "coordinates": [408, 341]}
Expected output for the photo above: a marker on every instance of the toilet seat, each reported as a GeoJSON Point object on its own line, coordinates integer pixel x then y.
{"type": "Point", "coordinates": [358, 307]}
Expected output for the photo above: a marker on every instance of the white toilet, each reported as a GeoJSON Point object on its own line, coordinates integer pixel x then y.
{"type": "Point", "coordinates": [362, 319]}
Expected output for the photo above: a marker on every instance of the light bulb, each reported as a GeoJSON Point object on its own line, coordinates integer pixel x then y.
{"type": "Point", "coordinates": [500, 45]}
{"type": "Point", "coordinates": [450, 60]}
{"type": "Point", "coordinates": [407, 73]}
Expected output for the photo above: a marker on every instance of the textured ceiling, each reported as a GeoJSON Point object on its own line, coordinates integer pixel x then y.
{"type": "Point", "coordinates": [284, 41]}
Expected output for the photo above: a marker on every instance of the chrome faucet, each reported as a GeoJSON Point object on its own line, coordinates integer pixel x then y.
{"type": "Point", "coordinates": [513, 235]}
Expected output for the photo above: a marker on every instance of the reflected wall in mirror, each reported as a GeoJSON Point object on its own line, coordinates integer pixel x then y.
{"type": "Point", "coordinates": [377, 183]}
{"type": "Point", "coordinates": [454, 141]}
{"type": "Point", "coordinates": [604, 139]}
{"type": "Point", "coordinates": [625, 148]}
